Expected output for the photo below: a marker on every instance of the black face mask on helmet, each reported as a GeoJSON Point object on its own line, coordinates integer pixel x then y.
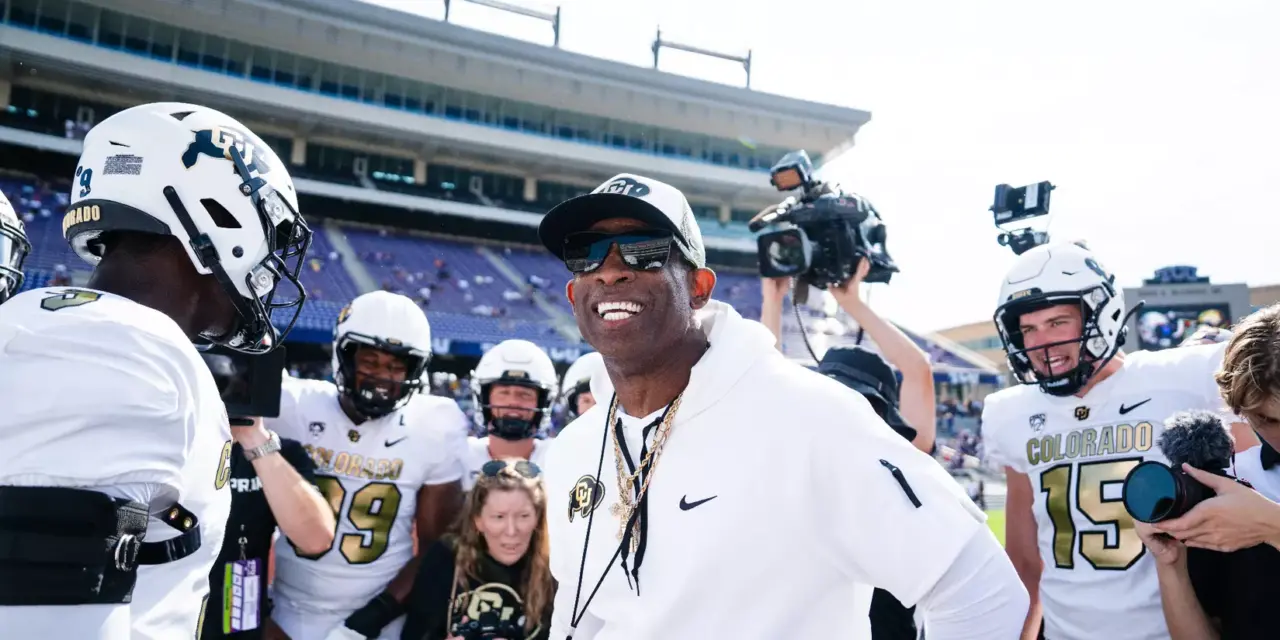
{"type": "Point", "coordinates": [374, 397]}
{"type": "Point", "coordinates": [1092, 351]}
{"type": "Point", "coordinates": [571, 399]}
{"type": "Point", "coordinates": [508, 427]}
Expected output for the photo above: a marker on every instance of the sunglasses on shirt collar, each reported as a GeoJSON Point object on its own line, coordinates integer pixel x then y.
{"type": "Point", "coordinates": [527, 469]}
{"type": "Point", "coordinates": [641, 249]}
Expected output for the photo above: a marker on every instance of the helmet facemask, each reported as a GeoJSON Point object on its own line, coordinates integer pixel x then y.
{"type": "Point", "coordinates": [371, 396]}
{"type": "Point", "coordinates": [287, 238]}
{"type": "Point", "coordinates": [14, 249]}
{"type": "Point", "coordinates": [571, 399]}
{"type": "Point", "coordinates": [1094, 349]}
{"type": "Point", "coordinates": [510, 427]}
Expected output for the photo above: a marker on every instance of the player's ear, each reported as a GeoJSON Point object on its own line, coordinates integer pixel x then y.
{"type": "Point", "coordinates": [702, 283]}
{"type": "Point", "coordinates": [568, 292]}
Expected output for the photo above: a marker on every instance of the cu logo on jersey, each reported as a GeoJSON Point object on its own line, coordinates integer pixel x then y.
{"type": "Point", "coordinates": [586, 495]}
{"type": "Point", "coordinates": [626, 187]}
{"type": "Point", "coordinates": [217, 143]}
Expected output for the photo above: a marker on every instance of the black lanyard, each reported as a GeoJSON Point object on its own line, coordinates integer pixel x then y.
{"type": "Point", "coordinates": [576, 616]}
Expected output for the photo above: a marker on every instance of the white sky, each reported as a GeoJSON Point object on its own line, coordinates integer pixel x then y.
{"type": "Point", "coordinates": [1158, 121]}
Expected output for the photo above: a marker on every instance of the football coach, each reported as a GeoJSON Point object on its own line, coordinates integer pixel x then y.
{"type": "Point", "coordinates": [721, 491]}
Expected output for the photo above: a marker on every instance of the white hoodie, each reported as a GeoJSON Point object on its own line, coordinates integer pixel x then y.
{"type": "Point", "coordinates": [775, 495]}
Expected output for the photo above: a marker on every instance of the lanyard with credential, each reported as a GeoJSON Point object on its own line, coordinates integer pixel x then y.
{"type": "Point", "coordinates": [576, 616]}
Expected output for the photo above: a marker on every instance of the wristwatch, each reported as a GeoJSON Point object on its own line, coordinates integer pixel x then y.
{"type": "Point", "coordinates": [272, 445]}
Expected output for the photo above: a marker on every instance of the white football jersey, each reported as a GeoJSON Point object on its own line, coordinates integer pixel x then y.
{"type": "Point", "coordinates": [371, 475]}
{"type": "Point", "coordinates": [478, 454]}
{"type": "Point", "coordinates": [106, 394]}
{"type": "Point", "coordinates": [1098, 580]}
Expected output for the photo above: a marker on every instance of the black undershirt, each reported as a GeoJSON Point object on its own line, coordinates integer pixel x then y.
{"type": "Point", "coordinates": [249, 530]}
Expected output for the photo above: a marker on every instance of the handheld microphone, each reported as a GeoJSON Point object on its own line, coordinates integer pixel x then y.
{"type": "Point", "coordinates": [1155, 492]}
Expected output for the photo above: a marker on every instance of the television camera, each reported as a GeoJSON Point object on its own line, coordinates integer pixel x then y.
{"type": "Point", "coordinates": [1012, 206]}
{"type": "Point", "coordinates": [820, 233]}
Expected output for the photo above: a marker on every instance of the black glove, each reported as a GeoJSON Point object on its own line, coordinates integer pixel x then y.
{"type": "Point", "coordinates": [371, 618]}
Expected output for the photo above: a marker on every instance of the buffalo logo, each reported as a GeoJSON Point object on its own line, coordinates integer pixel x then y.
{"type": "Point", "coordinates": [586, 495]}
{"type": "Point", "coordinates": [1096, 268]}
{"type": "Point", "coordinates": [1082, 413]}
{"type": "Point", "coordinates": [492, 608]}
{"type": "Point", "coordinates": [626, 187]}
{"type": "Point", "coordinates": [1037, 422]}
{"type": "Point", "coordinates": [345, 314]}
{"type": "Point", "coordinates": [316, 429]}
{"type": "Point", "coordinates": [218, 142]}
{"type": "Point", "coordinates": [353, 435]}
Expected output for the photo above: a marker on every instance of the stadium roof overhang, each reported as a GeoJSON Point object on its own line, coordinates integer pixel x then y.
{"type": "Point", "coordinates": [86, 67]}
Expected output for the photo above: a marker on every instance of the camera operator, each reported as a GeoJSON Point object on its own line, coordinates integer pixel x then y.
{"type": "Point", "coordinates": [271, 485]}
{"type": "Point", "coordinates": [1216, 563]}
{"type": "Point", "coordinates": [917, 394]}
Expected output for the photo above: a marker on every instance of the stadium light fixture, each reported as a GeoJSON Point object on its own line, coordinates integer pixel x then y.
{"type": "Point", "coordinates": [549, 16]}
{"type": "Point", "coordinates": [659, 43]}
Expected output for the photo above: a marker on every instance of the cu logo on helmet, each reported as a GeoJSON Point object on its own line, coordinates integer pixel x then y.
{"type": "Point", "coordinates": [626, 187]}
{"type": "Point", "coordinates": [217, 142]}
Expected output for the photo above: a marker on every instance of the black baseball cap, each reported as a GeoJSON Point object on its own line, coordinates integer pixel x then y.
{"type": "Point", "coordinates": [626, 195]}
{"type": "Point", "coordinates": [868, 374]}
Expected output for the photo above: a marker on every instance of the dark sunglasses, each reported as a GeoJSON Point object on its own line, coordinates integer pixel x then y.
{"type": "Point", "coordinates": [642, 249]}
{"type": "Point", "coordinates": [529, 470]}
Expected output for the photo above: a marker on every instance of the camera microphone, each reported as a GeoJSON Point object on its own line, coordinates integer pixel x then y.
{"type": "Point", "coordinates": [1155, 492]}
{"type": "Point", "coordinates": [1197, 438]}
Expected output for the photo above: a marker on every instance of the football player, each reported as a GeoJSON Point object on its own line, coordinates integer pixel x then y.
{"type": "Point", "coordinates": [387, 458]}
{"type": "Point", "coordinates": [514, 385]}
{"type": "Point", "coordinates": [13, 250]}
{"type": "Point", "coordinates": [575, 390]}
{"type": "Point", "coordinates": [1083, 415]}
{"type": "Point", "coordinates": [114, 441]}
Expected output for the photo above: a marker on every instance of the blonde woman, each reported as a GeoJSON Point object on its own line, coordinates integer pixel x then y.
{"type": "Point", "coordinates": [491, 579]}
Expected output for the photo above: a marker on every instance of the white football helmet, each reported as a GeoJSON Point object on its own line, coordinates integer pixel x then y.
{"type": "Point", "coordinates": [577, 380]}
{"type": "Point", "coordinates": [1054, 274]}
{"type": "Point", "coordinates": [387, 322]}
{"type": "Point", "coordinates": [520, 363]}
{"type": "Point", "coordinates": [198, 175]}
{"type": "Point", "coordinates": [14, 249]}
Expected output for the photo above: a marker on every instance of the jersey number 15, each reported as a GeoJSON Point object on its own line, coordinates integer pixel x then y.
{"type": "Point", "coordinates": [1093, 478]}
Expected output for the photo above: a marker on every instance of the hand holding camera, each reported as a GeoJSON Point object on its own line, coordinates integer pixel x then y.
{"type": "Point", "coordinates": [1236, 517]}
{"type": "Point", "coordinates": [1193, 499]}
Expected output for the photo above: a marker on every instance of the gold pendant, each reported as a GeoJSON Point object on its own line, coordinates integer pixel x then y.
{"type": "Point", "coordinates": [623, 514]}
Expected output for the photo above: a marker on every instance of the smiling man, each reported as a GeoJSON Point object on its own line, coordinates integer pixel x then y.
{"type": "Point", "coordinates": [514, 385]}
{"type": "Point", "coordinates": [720, 491]}
{"type": "Point", "coordinates": [1083, 416]}
{"type": "Point", "coordinates": [388, 459]}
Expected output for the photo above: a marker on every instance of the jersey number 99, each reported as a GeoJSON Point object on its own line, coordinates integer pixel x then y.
{"type": "Point", "coordinates": [372, 511]}
{"type": "Point", "coordinates": [1093, 478]}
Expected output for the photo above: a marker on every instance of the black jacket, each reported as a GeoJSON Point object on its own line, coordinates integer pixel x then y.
{"type": "Point", "coordinates": [491, 602]}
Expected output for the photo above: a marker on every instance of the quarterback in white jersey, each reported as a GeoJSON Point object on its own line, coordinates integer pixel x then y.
{"type": "Point", "coordinates": [514, 385]}
{"type": "Point", "coordinates": [387, 458]}
{"type": "Point", "coordinates": [1084, 415]}
{"type": "Point", "coordinates": [113, 417]}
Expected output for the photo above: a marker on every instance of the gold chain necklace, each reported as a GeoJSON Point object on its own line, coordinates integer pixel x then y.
{"type": "Point", "coordinates": [627, 481]}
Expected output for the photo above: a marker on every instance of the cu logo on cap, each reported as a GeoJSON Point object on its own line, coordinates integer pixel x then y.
{"type": "Point", "coordinates": [626, 187]}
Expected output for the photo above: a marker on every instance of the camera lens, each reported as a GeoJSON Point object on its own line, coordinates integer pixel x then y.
{"type": "Point", "coordinates": [1150, 492]}
{"type": "Point", "coordinates": [787, 254]}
